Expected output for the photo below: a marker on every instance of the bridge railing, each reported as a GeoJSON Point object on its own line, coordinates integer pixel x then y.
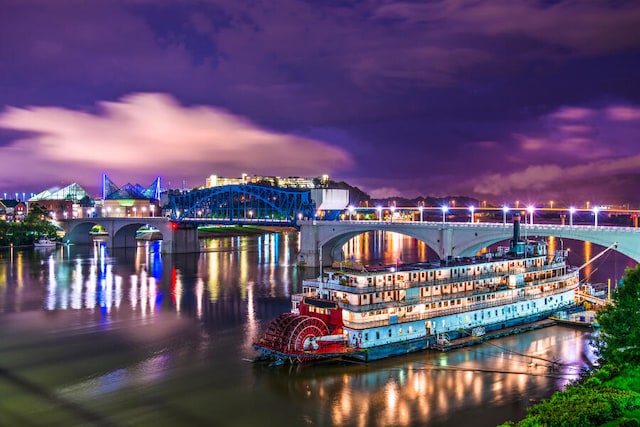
{"type": "Point", "coordinates": [493, 225]}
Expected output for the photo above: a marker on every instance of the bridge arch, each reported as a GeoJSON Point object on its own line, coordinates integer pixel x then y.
{"type": "Point", "coordinates": [333, 246]}
{"type": "Point", "coordinates": [243, 201]}
{"type": "Point", "coordinates": [121, 232]}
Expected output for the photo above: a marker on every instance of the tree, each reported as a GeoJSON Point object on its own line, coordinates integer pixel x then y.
{"type": "Point", "coordinates": [37, 215]}
{"type": "Point", "coordinates": [619, 340]}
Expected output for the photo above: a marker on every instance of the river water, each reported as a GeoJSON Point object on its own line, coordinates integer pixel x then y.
{"type": "Point", "coordinates": [90, 337]}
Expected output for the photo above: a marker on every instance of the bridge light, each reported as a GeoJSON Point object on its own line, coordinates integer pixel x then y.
{"type": "Point", "coordinates": [445, 209]}
{"type": "Point", "coordinates": [420, 208]}
{"type": "Point", "coordinates": [595, 215]}
{"type": "Point", "coordinates": [379, 209]}
{"type": "Point", "coordinates": [531, 210]}
{"type": "Point", "coordinates": [505, 209]}
{"type": "Point", "coordinates": [472, 209]}
{"type": "Point", "coordinates": [351, 209]}
{"type": "Point", "coordinates": [572, 210]}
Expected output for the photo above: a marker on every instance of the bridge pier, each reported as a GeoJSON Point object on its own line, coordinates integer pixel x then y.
{"type": "Point", "coordinates": [310, 246]}
{"type": "Point", "coordinates": [184, 239]}
{"type": "Point", "coordinates": [446, 243]}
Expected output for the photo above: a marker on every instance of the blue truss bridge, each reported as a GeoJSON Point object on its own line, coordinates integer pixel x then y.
{"type": "Point", "coordinates": [242, 204]}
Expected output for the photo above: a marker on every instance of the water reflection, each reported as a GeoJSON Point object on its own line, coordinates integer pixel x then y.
{"type": "Point", "coordinates": [80, 282]}
{"type": "Point", "coordinates": [432, 388]}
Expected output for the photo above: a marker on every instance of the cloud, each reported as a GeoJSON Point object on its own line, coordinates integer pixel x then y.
{"type": "Point", "coordinates": [148, 134]}
{"type": "Point", "coordinates": [540, 177]}
{"type": "Point", "coordinates": [624, 113]}
{"type": "Point", "coordinates": [581, 28]}
{"type": "Point", "coordinates": [568, 145]}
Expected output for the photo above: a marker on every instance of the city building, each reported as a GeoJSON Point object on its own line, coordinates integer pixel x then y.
{"type": "Point", "coordinates": [71, 201]}
{"type": "Point", "coordinates": [12, 210]}
{"type": "Point", "coordinates": [129, 200]}
{"type": "Point", "coordinates": [274, 181]}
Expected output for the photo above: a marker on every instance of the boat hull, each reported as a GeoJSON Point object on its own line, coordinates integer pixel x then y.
{"type": "Point", "coordinates": [458, 339]}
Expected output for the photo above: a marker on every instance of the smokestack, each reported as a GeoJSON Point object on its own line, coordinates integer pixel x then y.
{"type": "Point", "coordinates": [516, 228]}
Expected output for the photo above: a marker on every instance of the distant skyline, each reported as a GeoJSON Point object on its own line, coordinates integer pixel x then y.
{"type": "Point", "coordinates": [497, 100]}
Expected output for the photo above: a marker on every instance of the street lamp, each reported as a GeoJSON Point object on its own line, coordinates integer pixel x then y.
{"type": "Point", "coordinates": [420, 208]}
{"type": "Point", "coordinates": [134, 211]}
{"type": "Point", "coordinates": [531, 209]}
{"type": "Point", "coordinates": [152, 208]}
{"type": "Point", "coordinates": [379, 209]}
{"type": "Point", "coordinates": [595, 215]}
{"type": "Point", "coordinates": [351, 212]}
{"type": "Point", "coordinates": [445, 209]}
{"type": "Point", "coordinates": [572, 210]}
{"type": "Point", "coordinates": [392, 208]}
{"type": "Point", "coordinates": [472, 209]}
{"type": "Point", "coordinates": [505, 209]}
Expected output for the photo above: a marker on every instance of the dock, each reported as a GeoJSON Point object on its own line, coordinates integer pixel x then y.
{"type": "Point", "coordinates": [471, 340]}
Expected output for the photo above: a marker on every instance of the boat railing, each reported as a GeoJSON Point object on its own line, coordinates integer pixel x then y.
{"type": "Point", "coordinates": [403, 285]}
{"type": "Point", "coordinates": [406, 284]}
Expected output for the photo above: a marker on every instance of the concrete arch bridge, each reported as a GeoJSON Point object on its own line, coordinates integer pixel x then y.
{"type": "Point", "coordinates": [121, 232]}
{"type": "Point", "coordinates": [455, 239]}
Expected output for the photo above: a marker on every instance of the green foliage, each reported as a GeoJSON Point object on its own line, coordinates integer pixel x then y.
{"type": "Point", "coordinates": [619, 341]}
{"type": "Point", "coordinates": [580, 406]}
{"type": "Point", "coordinates": [628, 380]}
{"type": "Point", "coordinates": [37, 223]}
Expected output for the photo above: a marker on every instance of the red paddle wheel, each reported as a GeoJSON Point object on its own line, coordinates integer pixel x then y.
{"type": "Point", "coordinates": [291, 333]}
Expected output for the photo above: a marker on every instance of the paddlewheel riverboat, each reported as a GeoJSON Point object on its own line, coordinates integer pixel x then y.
{"type": "Point", "coordinates": [369, 313]}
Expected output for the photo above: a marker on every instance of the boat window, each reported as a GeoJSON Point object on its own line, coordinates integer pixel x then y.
{"type": "Point", "coordinates": [389, 332]}
{"type": "Point", "coordinates": [400, 331]}
{"type": "Point", "coordinates": [377, 335]}
{"type": "Point", "coordinates": [410, 329]}
{"type": "Point", "coordinates": [366, 336]}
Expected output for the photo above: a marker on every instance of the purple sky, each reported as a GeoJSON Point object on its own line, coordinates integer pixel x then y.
{"type": "Point", "coordinates": [500, 100]}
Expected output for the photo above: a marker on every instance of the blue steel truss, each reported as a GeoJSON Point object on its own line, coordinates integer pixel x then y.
{"type": "Point", "coordinates": [245, 202]}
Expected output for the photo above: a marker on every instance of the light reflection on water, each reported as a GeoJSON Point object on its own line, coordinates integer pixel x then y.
{"type": "Point", "coordinates": [123, 326]}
